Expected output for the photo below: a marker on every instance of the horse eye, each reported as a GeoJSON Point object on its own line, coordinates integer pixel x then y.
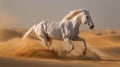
{"type": "Point", "coordinates": [87, 17]}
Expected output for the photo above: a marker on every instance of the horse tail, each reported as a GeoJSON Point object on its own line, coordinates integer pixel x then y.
{"type": "Point", "coordinates": [28, 32]}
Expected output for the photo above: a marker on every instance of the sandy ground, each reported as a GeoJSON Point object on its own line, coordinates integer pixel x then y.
{"type": "Point", "coordinates": [15, 62]}
{"type": "Point", "coordinates": [103, 50]}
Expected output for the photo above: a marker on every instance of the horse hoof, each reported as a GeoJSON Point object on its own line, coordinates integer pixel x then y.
{"type": "Point", "coordinates": [84, 52]}
{"type": "Point", "coordinates": [65, 52]}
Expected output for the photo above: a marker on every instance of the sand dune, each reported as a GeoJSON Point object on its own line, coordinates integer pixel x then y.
{"type": "Point", "coordinates": [108, 43]}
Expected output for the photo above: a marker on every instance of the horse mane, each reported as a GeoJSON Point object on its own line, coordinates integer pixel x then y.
{"type": "Point", "coordinates": [72, 14]}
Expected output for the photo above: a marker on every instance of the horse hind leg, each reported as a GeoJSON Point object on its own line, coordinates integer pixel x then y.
{"type": "Point", "coordinates": [44, 40]}
{"type": "Point", "coordinates": [47, 41]}
{"type": "Point", "coordinates": [50, 41]}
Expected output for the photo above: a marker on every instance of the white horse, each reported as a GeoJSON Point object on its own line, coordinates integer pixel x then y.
{"type": "Point", "coordinates": [67, 29]}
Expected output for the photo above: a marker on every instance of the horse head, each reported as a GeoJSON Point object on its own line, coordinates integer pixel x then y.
{"type": "Point", "coordinates": [80, 14]}
{"type": "Point", "coordinates": [86, 19]}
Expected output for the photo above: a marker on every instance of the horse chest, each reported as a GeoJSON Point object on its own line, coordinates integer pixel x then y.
{"type": "Point", "coordinates": [73, 34]}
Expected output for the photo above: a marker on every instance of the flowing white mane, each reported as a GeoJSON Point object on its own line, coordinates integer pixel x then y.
{"type": "Point", "coordinates": [72, 14]}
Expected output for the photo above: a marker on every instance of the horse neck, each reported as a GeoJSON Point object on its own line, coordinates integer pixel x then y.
{"type": "Point", "coordinates": [76, 23]}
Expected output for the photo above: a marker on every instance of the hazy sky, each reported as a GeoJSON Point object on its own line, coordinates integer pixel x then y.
{"type": "Point", "coordinates": [25, 13]}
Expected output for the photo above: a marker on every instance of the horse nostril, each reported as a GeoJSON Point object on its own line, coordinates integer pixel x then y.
{"type": "Point", "coordinates": [92, 27]}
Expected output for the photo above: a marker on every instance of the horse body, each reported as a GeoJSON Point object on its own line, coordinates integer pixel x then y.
{"type": "Point", "coordinates": [67, 29]}
{"type": "Point", "coordinates": [54, 30]}
{"type": "Point", "coordinates": [50, 29]}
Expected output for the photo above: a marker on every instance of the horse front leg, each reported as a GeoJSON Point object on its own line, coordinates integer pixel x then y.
{"type": "Point", "coordinates": [69, 43]}
{"type": "Point", "coordinates": [77, 38]}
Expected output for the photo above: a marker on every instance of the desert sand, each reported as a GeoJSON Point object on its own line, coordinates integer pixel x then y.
{"type": "Point", "coordinates": [103, 50]}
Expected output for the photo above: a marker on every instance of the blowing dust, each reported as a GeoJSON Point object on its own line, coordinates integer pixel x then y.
{"type": "Point", "coordinates": [12, 45]}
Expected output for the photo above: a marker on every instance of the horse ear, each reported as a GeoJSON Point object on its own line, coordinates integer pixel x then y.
{"type": "Point", "coordinates": [85, 10]}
